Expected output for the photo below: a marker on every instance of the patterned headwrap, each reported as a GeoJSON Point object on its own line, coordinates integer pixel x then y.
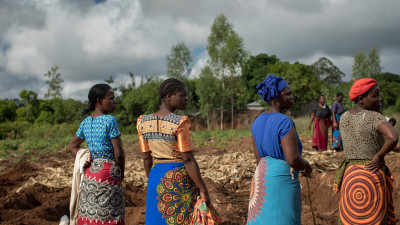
{"type": "Point", "coordinates": [270, 88]}
{"type": "Point", "coordinates": [360, 87]}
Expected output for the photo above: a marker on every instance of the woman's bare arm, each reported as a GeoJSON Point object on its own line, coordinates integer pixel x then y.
{"type": "Point", "coordinates": [119, 154]}
{"type": "Point", "coordinates": [391, 141]}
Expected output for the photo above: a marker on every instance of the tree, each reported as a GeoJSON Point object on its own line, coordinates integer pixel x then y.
{"type": "Point", "coordinates": [7, 110]}
{"type": "Point", "coordinates": [54, 81]}
{"type": "Point", "coordinates": [359, 65]}
{"type": "Point", "coordinates": [325, 70]}
{"type": "Point", "coordinates": [178, 62]}
{"type": "Point", "coordinates": [29, 98]}
{"type": "Point", "coordinates": [301, 78]}
{"type": "Point", "coordinates": [110, 80]}
{"type": "Point", "coordinates": [366, 66]}
{"type": "Point", "coordinates": [374, 63]}
{"type": "Point", "coordinates": [227, 54]}
{"type": "Point", "coordinates": [207, 89]}
{"type": "Point", "coordinates": [256, 70]}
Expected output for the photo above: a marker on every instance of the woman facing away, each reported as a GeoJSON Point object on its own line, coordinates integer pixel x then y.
{"type": "Point", "coordinates": [364, 181]}
{"type": "Point", "coordinates": [322, 116]}
{"type": "Point", "coordinates": [101, 197]}
{"type": "Point", "coordinates": [174, 175]}
{"type": "Point", "coordinates": [275, 191]}
{"type": "Point", "coordinates": [337, 111]}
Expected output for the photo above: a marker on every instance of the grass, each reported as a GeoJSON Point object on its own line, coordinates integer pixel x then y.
{"type": "Point", "coordinates": [223, 137]}
{"type": "Point", "coordinates": [302, 126]}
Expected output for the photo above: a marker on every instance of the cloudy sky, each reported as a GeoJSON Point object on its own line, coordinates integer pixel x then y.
{"type": "Point", "coordinates": [92, 39]}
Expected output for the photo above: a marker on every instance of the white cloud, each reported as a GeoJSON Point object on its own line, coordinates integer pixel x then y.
{"type": "Point", "coordinates": [89, 42]}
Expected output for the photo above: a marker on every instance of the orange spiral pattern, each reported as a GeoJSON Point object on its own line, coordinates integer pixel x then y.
{"type": "Point", "coordinates": [363, 196]}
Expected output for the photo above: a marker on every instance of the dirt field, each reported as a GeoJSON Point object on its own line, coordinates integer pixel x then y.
{"type": "Point", "coordinates": [38, 192]}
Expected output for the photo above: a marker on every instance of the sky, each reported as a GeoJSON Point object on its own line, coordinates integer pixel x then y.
{"type": "Point", "coordinates": [90, 40]}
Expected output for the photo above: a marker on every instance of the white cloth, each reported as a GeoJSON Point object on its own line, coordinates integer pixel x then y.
{"type": "Point", "coordinates": [82, 156]}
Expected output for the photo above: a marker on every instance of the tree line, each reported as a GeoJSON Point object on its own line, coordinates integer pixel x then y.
{"type": "Point", "coordinates": [227, 82]}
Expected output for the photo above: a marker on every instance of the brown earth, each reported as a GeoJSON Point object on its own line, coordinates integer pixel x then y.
{"type": "Point", "coordinates": [39, 192]}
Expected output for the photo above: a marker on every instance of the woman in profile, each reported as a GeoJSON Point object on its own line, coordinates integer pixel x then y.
{"type": "Point", "coordinates": [101, 197]}
{"type": "Point", "coordinates": [174, 175]}
{"type": "Point", "coordinates": [364, 181]}
{"type": "Point", "coordinates": [275, 191]}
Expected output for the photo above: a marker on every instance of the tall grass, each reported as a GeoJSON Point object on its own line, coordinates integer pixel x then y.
{"type": "Point", "coordinates": [302, 125]}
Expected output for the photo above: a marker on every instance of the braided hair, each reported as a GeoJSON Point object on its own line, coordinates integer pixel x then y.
{"type": "Point", "coordinates": [171, 86]}
{"type": "Point", "coordinates": [96, 92]}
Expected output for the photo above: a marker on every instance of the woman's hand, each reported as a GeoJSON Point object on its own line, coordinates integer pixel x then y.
{"type": "Point", "coordinates": [307, 170]}
{"type": "Point", "coordinates": [87, 164]}
{"type": "Point", "coordinates": [206, 197]}
{"type": "Point", "coordinates": [335, 125]}
{"type": "Point", "coordinates": [375, 164]}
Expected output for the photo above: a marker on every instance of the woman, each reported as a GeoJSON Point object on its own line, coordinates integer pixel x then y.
{"type": "Point", "coordinates": [174, 175]}
{"type": "Point", "coordinates": [101, 197]}
{"type": "Point", "coordinates": [322, 115]}
{"type": "Point", "coordinates": [337, 111]}
{"type": "Point", "coordinates": [364, 181]}
{"type": "Point", "coordinates": [275, 192]}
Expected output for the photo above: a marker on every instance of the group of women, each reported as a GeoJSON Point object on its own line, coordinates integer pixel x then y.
{"type": "Point", "coordinates": [174, 180]}
{"type": "Point", "coordinates": [323, 117]}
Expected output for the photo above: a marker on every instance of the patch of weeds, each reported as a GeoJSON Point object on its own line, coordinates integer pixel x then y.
{"type": "Point", "coordinates": [33, 159]}
{"type": "Point", "coordinates": [6, 146]}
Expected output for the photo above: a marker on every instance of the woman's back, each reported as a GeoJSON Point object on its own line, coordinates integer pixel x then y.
{"type": "Point", "coordinates": [164, 136]}
{"type": "Point", "coordinates": [268, 130]}
{"type": "Point", "coordinates": [360, 135]}
{"type": "Point", "coordinates": [98, 132]}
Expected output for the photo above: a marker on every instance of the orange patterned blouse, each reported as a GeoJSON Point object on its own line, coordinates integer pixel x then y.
{"type": "Point", "coordinates": [166, 137]}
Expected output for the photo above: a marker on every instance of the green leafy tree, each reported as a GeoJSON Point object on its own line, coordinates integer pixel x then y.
{"type": "Point", "coordinates": [142, 100]}
{"type": "Point", "coordinates": [301, 78]}
{"type": "Point", "coordinates": [389, 84]}
{"type": "Point", "coordinates": [366, 66]}
{"type": "Point", "coordinates": [54, 81]}
{"type": "Point", "coordinates": [327, 71]}
{"type": "Point", "coordinates": [359, 65]}
{"type": "Point", "coordinates": [110, 80]}
{"type": "Point", "coordinates": [207, 89]}
{"type": "Point", "coordinates": [7, 110]}
{"type": "Point", "coordinates": [178, 62]}
{"type": "Point", "coordinates": [256, 70]}
{"type": "Point", "coordinates": [226, 50]}
{"type": "Point", "coordinates": [31, 103]}
{"type": "Point", "coordinates": [374, 63]}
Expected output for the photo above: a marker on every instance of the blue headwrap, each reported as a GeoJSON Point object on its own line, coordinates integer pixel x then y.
{"type": "Point", "coordinates": [270, 88]}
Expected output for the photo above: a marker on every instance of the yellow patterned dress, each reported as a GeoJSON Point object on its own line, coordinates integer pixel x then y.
{"type": "Point", "coordinates": [171, 194]}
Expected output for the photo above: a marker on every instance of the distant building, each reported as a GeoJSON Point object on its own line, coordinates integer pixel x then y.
{"type": "Point", "coordinates": [255, 106]}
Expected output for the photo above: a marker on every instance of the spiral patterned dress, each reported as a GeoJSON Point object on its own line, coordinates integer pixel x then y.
{"type": "Point", "coordinates": [365, 197]}
{"type": "Point", "coordinates": [171, 193]}
{"type": "Point", "coordinates": [101, 196]}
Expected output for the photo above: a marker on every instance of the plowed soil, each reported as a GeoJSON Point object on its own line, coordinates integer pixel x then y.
{"type": "Point", "coordinates": [38, 192]}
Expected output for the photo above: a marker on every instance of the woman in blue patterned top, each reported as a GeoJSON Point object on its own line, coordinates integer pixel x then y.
{"type": "Point", "coordinates": [101, 197]}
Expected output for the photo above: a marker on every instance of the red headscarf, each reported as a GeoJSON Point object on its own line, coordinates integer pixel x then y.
{"type": "Point", "coordinates": [360, 87]}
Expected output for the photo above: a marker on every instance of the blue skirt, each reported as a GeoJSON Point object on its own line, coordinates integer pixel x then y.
{"type": "Point", "coordinates": [336, 137]}
{"type": "Point", "coordinates": [171, 195]}
{"type": "Point", "coordinates": [275, 199]}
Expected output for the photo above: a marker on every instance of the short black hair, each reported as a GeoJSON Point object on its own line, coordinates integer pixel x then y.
{"type": "Point", "coordinates": [96, 92]}
{"type": "Point", "coordinates": [392, 120]}
{"type": "Point", "coordinates": [171, 86]}
{"type": "Point", "coordinates": [339, 94]}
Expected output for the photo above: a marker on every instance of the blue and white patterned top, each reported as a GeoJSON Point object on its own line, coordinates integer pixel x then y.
{"type": "Point", "coordinates": [98, 132]}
